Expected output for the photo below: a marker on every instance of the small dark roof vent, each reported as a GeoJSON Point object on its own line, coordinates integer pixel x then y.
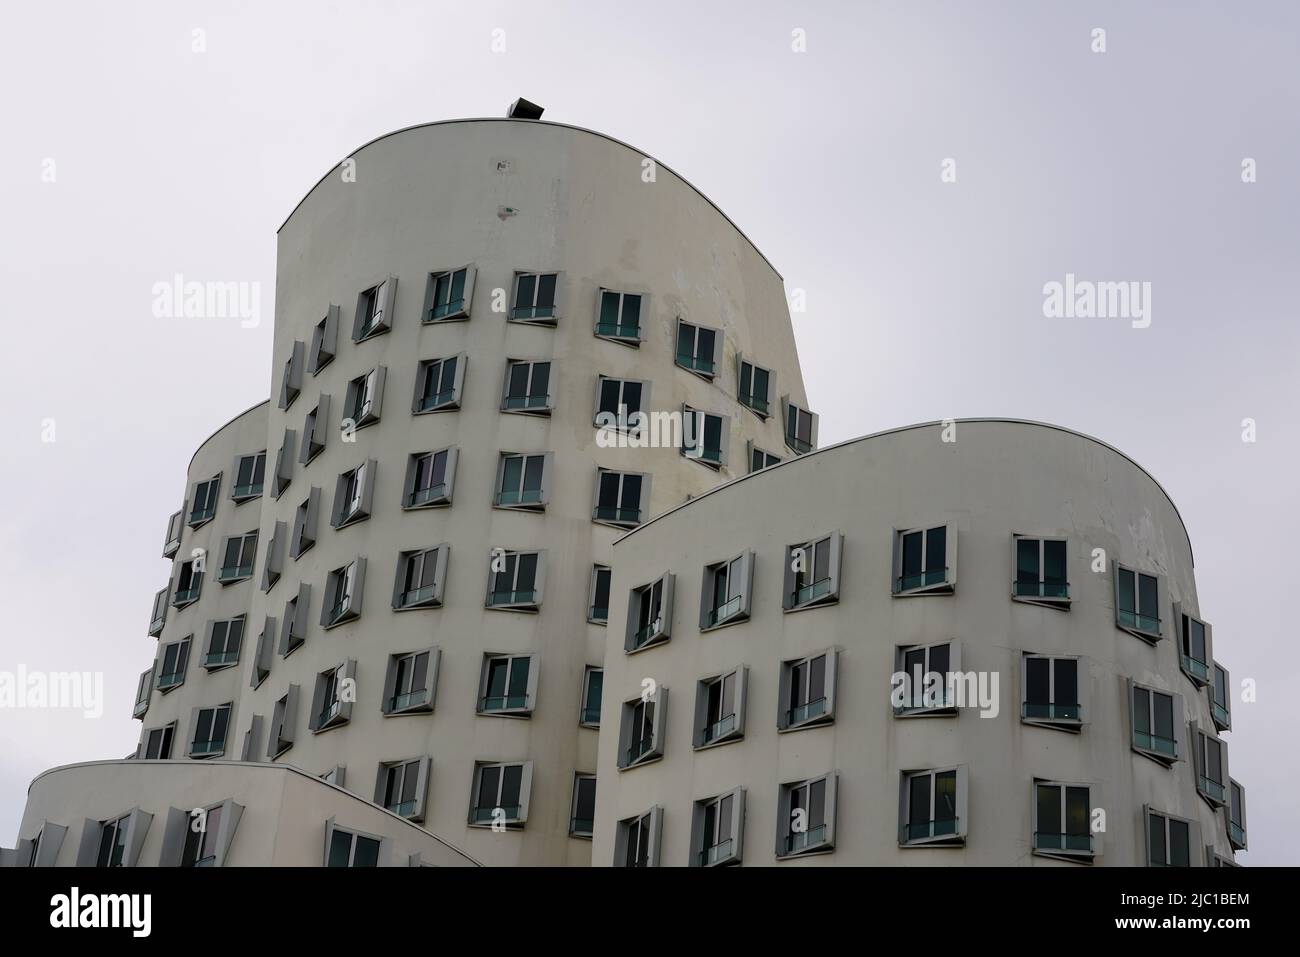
{"type": "Point", "coordinates": [522, 109]}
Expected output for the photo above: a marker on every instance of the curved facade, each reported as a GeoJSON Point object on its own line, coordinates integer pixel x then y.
{"type": "Point", "coordinates": [411, 571]}
{"type": "Point", "coordinates": [1043, 576]}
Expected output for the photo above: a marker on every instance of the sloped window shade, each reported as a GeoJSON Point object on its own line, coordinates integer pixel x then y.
{"type": "Point", "coordinates": [324, 341]}
{"type": "Point", "coordinates": [291, 377]}
{"type": "Point", "coordinates": [273, 561]}
{"type": "Point", "coordinates": [305, 520]}
{"type": "Point", "coordinates": [283, 464]}
{"type": "Point", "coordinates": [374, 314]}
{"type": "Point", "coordinates": [283, 721]}
{"type": "Point", "coordinates": [315, 430]}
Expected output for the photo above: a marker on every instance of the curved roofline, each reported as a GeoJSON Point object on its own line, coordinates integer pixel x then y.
{"type": "Point", "coordinates": [924, 425]}
{"type": "Point", "coordinates": [566, 126]}
{"type": "Point", "coordinates": [198, 448]}
{"type": "Point", "coordinates": [257, 764]}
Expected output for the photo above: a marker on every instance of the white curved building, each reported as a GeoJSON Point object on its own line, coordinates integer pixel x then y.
{"type": "Point", "coordinates": [1077, 713]}
{"type": "Point", "coordinates": [394, 574]}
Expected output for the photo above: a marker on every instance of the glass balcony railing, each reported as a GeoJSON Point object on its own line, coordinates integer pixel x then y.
{"type": "Point", "coordinates": [803, 840]}
{"type": "Point", "coordinates": [418, 596]}
{"type": "Point", "coordinates": [757, 403]}
{"type": "Point", "coordinates": [234, 572]}
{"type": "Point", "coordinates": [1041, 589]}
{"type": "Point", "coordinates": [646, 632]}
{"type": "Point", "coordinates": [723, 612]}
{"type": "Point", "coordinates": [924, 830]}
{"type": "Point", "coordinates": [247, 491]}
{"type": "Point", "coordinates": [435, 400]}
{"type": "Point", "coordinates": [638, 750]}
{"type": "Point", "coordinates": [1044, 841]}
{"type": "Point", "coordinates": [1051, 712]}
{"type": "Point", "coordinates": [1222, 716]}
{"type": "Point", "coordinates": [1213, 789]}
{"type": "Point", "coordinates": [407, 699]}
{"type": "Point", "coordinates": [720, 728]}
{"type": "Point", "coordinates": [431, 493]}
{"type": "Point", "coordinates": [532, 312]}
{"type": "Point", "coordinates": [527, 496]}
{"type": "Point", "coordinates": [185, 595]}
{"type": "Point", "coordinates": [1196, 668]}
{"type": "Point", "coordinates": [1146, 741]}
{"type": "Point", "coordinates": [805, 712]}
{"type": "Point", "coordinates": [616, 331]}
{"type": "Point", "coordinates": [1131, 619]}
{"type": "Point", "coordinates": [526, 402]}
{"type": "Point", "coordinates": [811, 592]}
{"type": "Point", "coordinates": [921, 700]}
{"type": "Point", "coordinates": [718, 852]}
{"type": "Point", "coordinates": [598, 613]}
{"type": "Point", "coordinates": [403, 808]}
{"type": "Point", "coordinates": [1236, 834]}
{"type": "Point", "coordinates": [339, 609]}
{"type": "Point", "coordinates": [513, 702]}
{"type": "Point", "coordinates": [215, 659]}
{"type": "Point", "coordinates": [799, 445]}
{"type": "Point", "coordinates": [486, 815]}
{"type": "Point", "coordinates": [925, 579]}
{"type": "Point", "coordinates": [170, 680]}
{"type": "Point", "coordinates": [513, 597]}
{"type": "Point", "coordinates": [612, 513]}
{"type": "Point", "coordinates": [202, 514]}
{"type": "Point", "coordinates": [591, 716]}
{"type": "Point", "coordinates": [207, 747]}
{"type": "Point", "coordinates": [452, 307]}
{"type": "Point", "coordinates": [331, 711]}
{"type": "Point", "coordinates": [701, 364]}
{"type": "Point", "coordinates": [582, 825]}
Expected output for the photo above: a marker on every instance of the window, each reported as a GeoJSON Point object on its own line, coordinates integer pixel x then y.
{"type": "Point", "coordinates": [1236, 811]}
{"type": "Point", "coordinates": [508, 685]}
{"type": "Point", "coordinates": [174, 659]}
{"type": "Point", "coordinates": [354, 494]}
{"type": "Point", "coordinates": [250, 475]}
{"type": "Point", "coordinates": [582, 812]}
{"type": "Point", "coordinates": [375, 310]}
{"type": "Point", "coordinates": [759, 459]}
{"type": "Point", "coordinates": [807, 691]}
{"type": "Point", "coordinates": [449, 294]}
{"type": "Point", "coordinates": [438, 384]}
{"type": "Point", "coordinates": [200, 838]}
{"type": "Point", "coordinates": [754, 386]}
{"type": "Point", "coordinates": [806, 817]}
{"type": "Point", "coordinates": [210, 726]}
{"type": "Point", "coordinates": [925, 561]}
{"type": "Point", "coordinates": [641, 732]}
{"type": "Point", "coordinates": [430, 477]}
{"type": "Point", "coordinates": [331, 705]}
{"type": "Point", "coordinates": [1169, 839]}
{"type": "Point", "coordinates": [158, 617]}
{"type": "Point", "coordinates": [1221, 698]}
{"type": "Point", "coordinates": [720, 708]}
{"type": "Point", "coordinates": [401, 787]}
{"type": "Point", "coordinates": [263, 654]}
{"type": "Point", "coordinates": [420, 575]}
{"type": "Point", "coordinates": [293, 632]}
{"type": "Point", "coordinates": [812, 572]}
{"type": "Point", "coordinates": [304, 524]}
{"type": "Point", "coordinates": [189, 583]}
{"type": "Point", "coordinates": [1195, 641]}
{"type": "Point", "coordinates": [929, 674]}
{"type": "Point", "coordinates": [649, 614]}
{"type": "Point", "coordinates": [291, 378]}
{"type": "Point", "coordinates": [620, 402]}
{"type": "Point", "coordinates": [324, 341]}
{"type": "Point", "coordinates": [283, 719]}
{"type": "Point", "coordinates": [516, 579]}
{"type": "Point", "coordinates": [535, 298]}
{"type": "Point", "coordinates": [522, 481]}
{"type": "Point", "coordinates": [204, 501]}
{"type": "Point", "coordinates": [704, 436]}
{"type": "Point", "coordinates": [598, 610]}
{"type": "Point", "coordinates": [718, 830]}
{"type": "Point", "coordinates": [224, 640]}
{"type": "Point", "coordinates": [593, 682]}
{"type": "Point", "coordinates": [501, 794]}
{"type": "Point", "coordinates": [1137, 602]}
{"type": "Point", "coordinates": [115, 842]}
{"type": "Point", "coordinates": [527, 387]}
{"type": "Point", "coordinates": [622, 498]}
{"type": "Point", "coordinates": [699, 349]}
{"type": "Point", "coordinates": [725, 591]}
{"type": "Point", "coordinates": [1040, 572]}
{"type": "Point", "coordinates": [1155, 716]}
{"type": "Point", "coordinates": [1210, 757]}
{"type": "Point", "coordinates": [112, 842]}
{"type": "Point", "coordinates": [240, 552]}
{"type": "Point", "coordinates": [157, 744]}
{"type": "Point", "coordinates": [315, 430]}
{"type": "Point", "coordinates": [283, 464]}
{"type": "Point", "coordinates": [273, 561]}
{"type": "Point", "coordinates": [1062, 821]}
{"type": "Point", "coordinates": [636, 841]}
{"type": "Point", "coordinates": [618, 316]}
{"type": "Point", "coordinates": [252, 735]}
{"type": "Point", "coordinates": [1052, 694]}
{"type": "Point", "coordinates": [800, 427]}
{"type": "Point", "coordinates": [143, 688]}
{"type": "Point", "coordinates": [410, 682]}
{"type": "Point", "coordinates": [175, 524]}
{"type": "Point", "coordinates": [933, 807]}
{"type": "Point", "coordinates": [365, 398]}
{"type": "Point", "coordinates": [343, 588]}
{"type": "Point", "coordinates": [350, 848]}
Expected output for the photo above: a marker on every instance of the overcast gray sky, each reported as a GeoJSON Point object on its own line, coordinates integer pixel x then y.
{"type": "Point", "coordinates": [924, 297]}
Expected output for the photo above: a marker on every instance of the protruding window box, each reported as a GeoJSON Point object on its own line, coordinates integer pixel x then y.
{"type": "Point", "coordinates": [1221, 698]}
{"type": "Point", "coordinates": [1062, 827]}
{"type": "Point", "coordinates": [720, 708]}
{"type": "Point", "coordinates": [420, 576]}
{"type": "Point", "coordinates": [537, 298]}
{"type": "Point", "coordinates": [430, 479]}
{"type": "Point", "coordinates": [401, 787]}
{"type": "Point", "coordinates": [237, 563]}
{"type": "Point", "coordinates": [343, 592]}
{"type": "Point", "coordinates": [622, 498]}
{"type": "Point", "coordinates": [1169, 840]}
{"type": "Point", "coordinates": [718, 830]}
{"type": "Point", "coordinates": [812, 572]}
{"type": "Point", "coordinates": [175, 525]}
{"type": "Point", "coordinates": [927, 689]}
{"type": "Point", "coordinates": [1195, 646]}
{"type": "Point", "coordinates": [618, 316]}
{"type": "Point", "coordinates": [143, 689]}
{"type": "Point", "coordinates": [411, 682]}
{"type": "Point", "coordinates": [806, 814]}
{"type": "Point", "coordinates": [699, 349]}
{"type": "Point", "coordinates": [331, 705]}
{"type": "Point", "coordinates": [642, 736]}
{"type": "Point", "coordinates": [932, 808]}
{"type": "Point", "coordinates": [501, 794]}
{"type": "Point", "coordinates": [1040, 567]}
{"type": "Point", "coordinates": [593, 685]}
{"type": "Point", "coordinates": [523, 481]}
{"type": "Point", "coordinates": [516, 580]}
{"type": "Point", "coordinates": [173, 661]}
{"type": "Point", "coordinates": [598, 609]}
{"type": "Point", "coordinates": [725, 591]}
{"type": "Point", "coordinates": [374, 315]}
{"type": "Point", "coordinates": [649, 614]}
{"type": "Point", "coordinates": [800, 427]}
{"type": "Point", "coordinates": [508, 685]}
{"type": "Point", "coordinates": [189, 584]}
{"type": "Point", "coordinates": [449, 295]}
{"type": "Point", "coordinates": [754, 386]}
{"type": "Point", "coordinates": [204, 502]}
{"type": "Point", "coordinates": [1052, 690]}
{"type": "Point", "coordinates": [1210, 760]}
{"type": "Point", "coordinates": [527, 387]}
{"type": "Point", "coordinates": [925, 561]}
{"type": "Point", "coordinates": [439, 384]}
{"type": "Point", "coordinates": [225, 638]}
{"type": "Point", "coordinates": [1156, 717]}
{"type": "Point", "coordinates": [1236, 814]}
{"type": "Point", "coordinates": [807, 691]}
{"type": "Point", "coordinates": [1139, 596]}
{"type": "Point", "coordinates": [250, 477]}
{"type": "Point", "coordinates": [210, 727]}
{"type": "Point", "coordinates": [158, 618]}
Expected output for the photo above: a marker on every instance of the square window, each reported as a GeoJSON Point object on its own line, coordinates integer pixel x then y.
{"type": "Point", "coordinates": [812, 572]}
{"type": "Point", "coordinates": [806, 817]}
{"type": "Point", "coordinates": [250, 476]}
{"type": "Point", "coordinates": [345, 848]}
{"type": "Point", "coordinates": [239, 554]}
{"type": "Point", "coordinates": [501, 794]}
{"type": "Point", "coordinates": [210, 727]}
{"type": "Point", "coordinates": [364, 400]}
{"type": "Point", "coordinates": [1221, 698]}
{"type": "Point", "coordinates": [1195, 644]}
{"type": "Point", "coordinates": [527, 387]}
{"type": "Point", "coordinates": [508, 685]}
{"type": "Point", "coordinates": [173, 660]}
{"type": "Point", "coordinates": [375, 310]}
{"type": "Point", "coordinates": [420, 576]}
{"type": "Point", "coordinates": [449, 294]}
{"type": "Point", "coordinates": [925, 679]}
{"type": "Point", "coordinates": [430, 478]}
{"type": "Point", "coordinates": [1169, 839]}
{"type": "Point", "coordinates": [649, 614]}
{"type": "Point", "coordinates": [522, 481]}
{"type": "Point", "coordinates": [1210, 757]}
{"type": "Point", "coordinates": [1137, 602]}
{"type": "Point", "coordinates": [718, 830]}
{"type": "Point", "coordinates": [932, 807]}
{"type": "Point", "coordinates": [621, 403]}
{"type": "Point", "coordinates": [536, 298]}
{"type": "Point", "coordinates": [516, 580]}
{"type": "Point", "coordinates": [1040, 565]}
{"type": "Point", "coordinates": [699, 349]}
{"type": "Point", "coordinates": [800, 427]}
{"type": "Point", "coordinates": [439, 384]}
{"type": "Point", "coordinates": [636, 842]}
{"type": "Point", "coordinates": [119, 840]}
{"type": "Point", "coordinates": [1062, 821]}
{"type": "Point", "coordinates": [618, 316]}
{"type": "Point", "coordinates": [593, 683]}
{"type": "Point", "coordinates": [720, 708]}
{"type": "Point", "coordinates": [705, 436]}
{"type": "Point", "coordinates": [411, 681]}
{"type": "Point", "coordinates": [343, 590]}
{"type": "Point", "coordinates": [759, 459]}
{"type": "Point", "coordinates": [1052, 691]}
{"type": "Point", "coordinates": [401, 787]}
{"type": "Point", "coordinates": [157, 743]}
{"type": "Point", "coordinates": [332, 697]}
{"type": "Point", "coordinates": [925, 561]}
{"type": "Point", "coordinates": [582, 813]}
{"type": "Point", "coordinates": [754, 387]}
{"type": "Point", "coordinates": [807, 691]}
{"type": "Point", "coordinates": [725, 591]}
{"type": "Point", "coordinates": [622, 498]}
{"type": "Point", "coordinates": [224, 640]}
{"type": "Point", "coordinates": [204, 501]}
{"type": "Point", "coordinates": [354, 495]}
{"type": "Point", "coordinates": [641, 731]}
{"type": "Point", "coordinates": [1156, 716]}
